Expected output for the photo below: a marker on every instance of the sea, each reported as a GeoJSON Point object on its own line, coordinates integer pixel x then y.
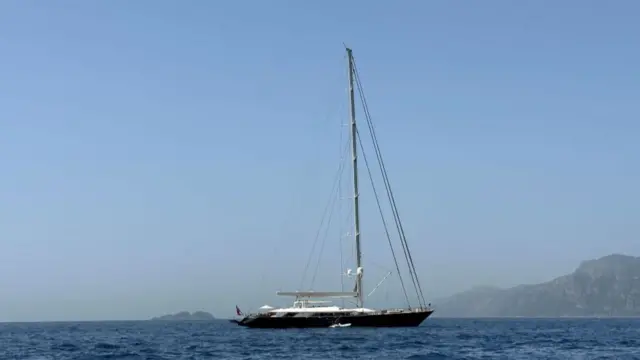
{"type": "Point", "coordinates": [437, 338]}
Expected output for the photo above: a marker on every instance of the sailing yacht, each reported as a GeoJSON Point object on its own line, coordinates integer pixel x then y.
{"type": "Point", "coordinates": [309, 313]}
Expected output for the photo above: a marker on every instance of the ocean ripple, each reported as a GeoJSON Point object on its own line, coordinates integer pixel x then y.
{"type": "Point", "coordinates": [436, 339]}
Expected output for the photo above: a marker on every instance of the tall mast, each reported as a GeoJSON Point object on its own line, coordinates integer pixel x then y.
{"type": "Point", "coordinates": [356, 205]}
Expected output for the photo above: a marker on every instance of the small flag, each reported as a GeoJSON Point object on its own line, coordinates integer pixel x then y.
{"type": "Point", "coordinates": [238, 312]}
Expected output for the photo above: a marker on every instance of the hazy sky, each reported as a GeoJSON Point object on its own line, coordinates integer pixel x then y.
{"type": "Point", "coordinates": [158, 156]}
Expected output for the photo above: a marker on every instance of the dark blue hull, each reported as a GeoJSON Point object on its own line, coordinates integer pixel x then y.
{"type": "Point", "coordinates": [402, 319]}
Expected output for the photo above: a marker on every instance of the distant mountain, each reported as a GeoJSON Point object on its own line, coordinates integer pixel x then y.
{"type": "Point", "coordinates": [609, 286]}
{"type": "Point", "coordinates": [185, 316]}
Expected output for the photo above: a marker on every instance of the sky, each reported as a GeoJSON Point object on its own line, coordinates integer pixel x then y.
{"type": "Point", "coordinates": [159, 156]}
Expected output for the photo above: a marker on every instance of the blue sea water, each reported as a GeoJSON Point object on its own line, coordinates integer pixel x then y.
{"type": "Point", "coordinates": [435, 339]}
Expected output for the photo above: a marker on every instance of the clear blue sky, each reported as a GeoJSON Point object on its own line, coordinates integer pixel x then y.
{"type": "Point", "coordinates": [159, 156]}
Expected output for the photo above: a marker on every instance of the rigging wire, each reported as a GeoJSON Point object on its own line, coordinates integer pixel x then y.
{"type": "Point", "coordinates": [324, 215]}
{"type": "Point", "coordinates": [403, 240]}
{"type": "Point", "coordinates": [324, 240]}
{"type": "Point", "coordinates": [384, 222]}
{"type": "Point", "coordinates": [412, 271]}
{"type": "Point", "coordinates": [384, 173]}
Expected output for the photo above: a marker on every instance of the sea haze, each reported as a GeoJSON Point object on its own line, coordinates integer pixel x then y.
{"type": "Point", "coordinates": [219, 339]}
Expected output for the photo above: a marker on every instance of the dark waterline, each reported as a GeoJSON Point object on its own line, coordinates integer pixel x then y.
{"type": "Point", "coordinates": [438, 338]}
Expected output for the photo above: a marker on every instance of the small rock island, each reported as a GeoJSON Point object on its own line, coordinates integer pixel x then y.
{"type": "Point", "coordinates": [186, 316]}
